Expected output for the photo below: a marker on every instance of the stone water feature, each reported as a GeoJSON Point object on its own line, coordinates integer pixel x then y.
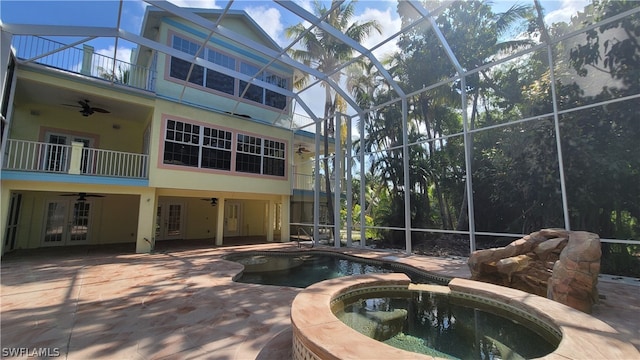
{"type": "Point", "coordinates": [558, 264]}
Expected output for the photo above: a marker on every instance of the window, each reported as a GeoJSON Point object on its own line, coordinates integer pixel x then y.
{"type": "Point", "coordinates": [272, 98]}
{"type": "Point", "coordinates": [206, 147]}
{"type": "Point", "coordinates": [248, 156]}
{"type": "Point", "coordinates": [215, 80]}
{"type": "Point", "coordinates": [259, 94]}
{"type": "Point", "coordinates": [258, 156]}
{"type": "Point", "coordinates": [181, 143]}
{"type": "Point", "coordinates": [216, 149]}
{"type": "Point", "coordinates": [273, 161]}
{"type": "Point", "coordinates": [180, 68]}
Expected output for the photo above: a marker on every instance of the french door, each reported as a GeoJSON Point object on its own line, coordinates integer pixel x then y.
{"type": "Point", "coordinates": [67, 222]}
{"type": "Point", "coordinates": [57, 156]}
{"type": "Point", "coordinates": [170, 221]}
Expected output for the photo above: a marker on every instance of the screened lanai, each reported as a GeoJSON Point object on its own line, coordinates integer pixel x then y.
{"type": "Point", "coordinates": [439, 127]}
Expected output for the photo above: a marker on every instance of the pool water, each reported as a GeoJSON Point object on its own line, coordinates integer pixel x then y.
{"type": "Point", "coordinates": [302, 270]}
{"type": "Point", "coordinates": [441, 325]}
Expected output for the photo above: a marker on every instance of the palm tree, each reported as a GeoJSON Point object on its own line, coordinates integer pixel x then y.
{"type": "Point", "coordinates": [326, 53]}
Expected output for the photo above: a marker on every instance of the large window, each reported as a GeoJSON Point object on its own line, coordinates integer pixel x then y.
{"type": "Point", "coordinates": [248, 157]}
{"type": "Point", "coordinates": [206, 147]}
{"type": "Point", "coordinates": [180, 68]}
{"type": "Point", "coordinates": [259, 94]}
{"type": "Point", "coordinates": [215, 80]}
{"type": "Point", "coordinates": [216, 149]}
{"type": "Point", "coordinates": [273, 161]}
{"type": "Point", "coordinates": [260, 156]}
{"type": "Point", "coordinates": [181, 145]}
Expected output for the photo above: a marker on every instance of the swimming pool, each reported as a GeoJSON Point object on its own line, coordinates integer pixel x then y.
{"type": "Point", "coordinates": [302, 269]}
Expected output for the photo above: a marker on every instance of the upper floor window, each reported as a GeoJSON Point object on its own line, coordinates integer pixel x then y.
{"type": "Point", "coordinates": [211, 148]}
{"type": "Point", "coordinates": [259, 94]}
{"type": "Point", "coordinates": [180, 68]}
{"type": "Point", "coordinates": [182, 144]}
{"type": "Point", "coordinates": [260, 156]}
{"type": "Point", "coordinates": [216, 149]}
{"type": "Point", "coordinates": [215, 80]}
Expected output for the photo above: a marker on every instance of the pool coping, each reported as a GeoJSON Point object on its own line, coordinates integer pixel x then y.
{"type": "Point", "coordinates": [319, 334]}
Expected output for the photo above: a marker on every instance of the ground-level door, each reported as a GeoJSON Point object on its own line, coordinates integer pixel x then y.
{"type": "Point", "coordinates": [232, 217]}
{"type": "Point", "coordinates": [12, 221]}
{"type": "Point", "coordinates": [67, 222]}
{"type": "Point", "coordinates": [170, 221]}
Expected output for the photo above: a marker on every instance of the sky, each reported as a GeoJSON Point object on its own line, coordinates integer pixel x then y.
{"type": "Point", "coordinates": [269, 15]}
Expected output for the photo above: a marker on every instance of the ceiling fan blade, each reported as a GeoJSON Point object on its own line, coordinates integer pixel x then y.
{"type": "Point", "coordinates": [100, 110]}
{"type": "Point", "coordinates": [83, 195]}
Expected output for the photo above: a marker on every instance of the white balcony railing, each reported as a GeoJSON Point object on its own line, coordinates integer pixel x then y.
{"type": "Point", "coordinates": [82, 61]}
{"type": "Point", "coordinates": [307, 182]}
{"type": "Point", "coordinates": [35, 156]}
{"type": "Point", "coordinates": [113, 163]}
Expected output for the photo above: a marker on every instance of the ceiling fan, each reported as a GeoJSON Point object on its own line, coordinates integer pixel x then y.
{"type": "Point", "coordinates": [302, 150]}
{"type": "Point", "coordinates": [214, 201]}
{"type": "Point", "coordinates": [82, 196]}
{"type": "Point", "coordinates": [86, 109]}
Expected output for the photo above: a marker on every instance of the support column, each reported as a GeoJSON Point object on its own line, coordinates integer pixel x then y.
{"type": "Point", "coordinates": [285, 228]}
{"type": "Point", "coordinates": [76, 157]}
{"type": "Point", "coordinates": [147, 221]}
{"type": "Point", "coordinates": [220, 222]}
{"type": "Point", "coordinates": [5, 55]}
{"type": "Point", "coordinates": [87, 59]}
{"type": "Point", "coordinates": [271, 209]}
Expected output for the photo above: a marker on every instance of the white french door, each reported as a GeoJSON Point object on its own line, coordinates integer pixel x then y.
{"type": "Point", "coordinates": [67, 222]}
{"type": "Point", "coordinates": [57, 157]}
{"type": "Point", "coordinates": [232, 217]}
{"type": "Point", "coordinates": [170, 221]}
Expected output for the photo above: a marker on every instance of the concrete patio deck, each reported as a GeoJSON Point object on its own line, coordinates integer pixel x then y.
{"type": "Point", "coordinates": [180, 303]}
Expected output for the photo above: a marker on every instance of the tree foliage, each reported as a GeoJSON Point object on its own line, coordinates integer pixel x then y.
{"type": "Point", "coordinates": [515, 164]}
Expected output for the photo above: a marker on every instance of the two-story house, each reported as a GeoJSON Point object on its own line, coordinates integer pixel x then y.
{"type": "Point", "coordinates": [191, 139]}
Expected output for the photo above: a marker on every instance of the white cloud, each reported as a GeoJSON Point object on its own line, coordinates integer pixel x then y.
{"type": "Point", "coordinates": [200, 4]}
{"type": "Point", "coordinates": [305, 4]}
{"type": "Point", "coordinates": [567, 9]}
{"type": "Point", "coordinates": [390, 24]}
{"type": "Point", "coordinates": [123, 54]}
{"type": "Point", "coordinates": [269, 20]}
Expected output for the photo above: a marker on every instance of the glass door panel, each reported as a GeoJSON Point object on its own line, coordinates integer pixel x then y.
{"type": "Point", "coordinates": [79, 229]}
{"type": "Point", "coordinates": [56, 159]}
{"type": "Point", "coordinates": [66, 222]}
{"type": "Point", "coordinates": [169, 221]}
{"type": "Point", "coordinates": [56, 221]}
{"type": "Point", "coordinates": [173, 220]}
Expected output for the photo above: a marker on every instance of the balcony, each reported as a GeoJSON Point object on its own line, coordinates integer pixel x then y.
{"type": "Point", "coordinates": [82, 61]}
{"type": "Point", "coordinates": [21, 155]}
{"type": "Point", "coordinates": [306, 182]}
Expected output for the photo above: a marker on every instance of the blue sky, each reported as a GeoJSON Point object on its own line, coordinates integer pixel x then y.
{"type": "Point", "coordinates": [270, 16]}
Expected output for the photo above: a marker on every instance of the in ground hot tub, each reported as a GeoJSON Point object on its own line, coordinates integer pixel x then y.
{"type": "Point", "coordinates": [319, 334]}
{"type": "Point", "coordinates": [434, 321]}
